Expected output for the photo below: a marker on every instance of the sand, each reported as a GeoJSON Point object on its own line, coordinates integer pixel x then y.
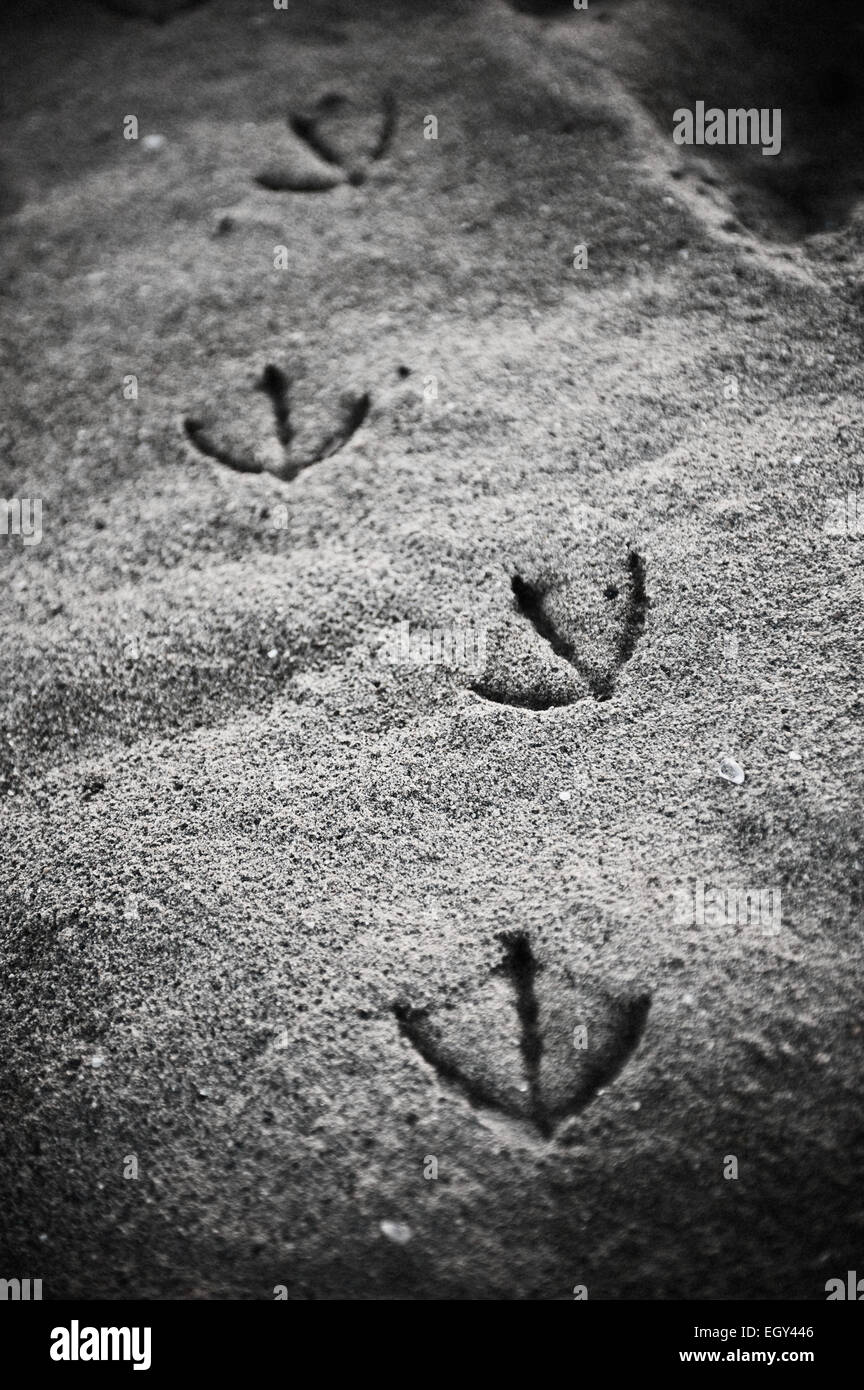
{"type": "Point", "coordinates": [297, 939]}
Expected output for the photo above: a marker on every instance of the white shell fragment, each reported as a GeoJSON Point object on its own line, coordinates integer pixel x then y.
{"type": "Point", "coordinates": [731, 771]}
{"type": "Point", "coordinates": [396, 1231]}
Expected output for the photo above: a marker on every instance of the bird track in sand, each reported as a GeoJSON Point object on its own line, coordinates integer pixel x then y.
{"type": "Point", "coordinates": [530, 603]}
{"type": "Point", "coordinates": [529, 1043]}
{"type": "Point", "coordinates": [276, 385]}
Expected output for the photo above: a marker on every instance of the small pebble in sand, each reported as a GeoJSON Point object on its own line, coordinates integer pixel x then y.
{"type": "Point", "coordinates": [794, 755]}
{"type": "Point", "coordinates": [564, 796]}
{"type": "Point", "coordinates": [396, 1231]}
{"type": "Point", "coordinates": [97, 1061]}
{"type": "Point", "coordinates": [153, 142]}
{"type": "Point", "coordinates": [731, 771]}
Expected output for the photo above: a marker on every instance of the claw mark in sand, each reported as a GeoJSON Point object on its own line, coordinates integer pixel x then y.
{"type": "Point", "coordinates": [277, 386]}
{"type": "Point", "coordinates": [274, 383]}
{"type": "Point", "coordinates": [509, 1046]}
{"type": "Point", "coordinates": [529, 601]}
{"type": "Point", "coordinates": [632, 627]}
{"type": "Point", "coordinates": [520, 968]}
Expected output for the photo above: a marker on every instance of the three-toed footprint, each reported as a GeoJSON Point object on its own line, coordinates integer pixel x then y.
{"type": "Point", "coordinates": [587, 623]}
{"type": "Point", "coordinates": [240, 435]}
{"type": "Point", "coordinates": [336, 139]}
{"type": "Point", "coordinates": [533, 1041]}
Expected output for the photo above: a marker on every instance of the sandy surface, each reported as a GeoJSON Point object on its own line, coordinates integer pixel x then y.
{"type": "Point", "coordinates": [283, 920]}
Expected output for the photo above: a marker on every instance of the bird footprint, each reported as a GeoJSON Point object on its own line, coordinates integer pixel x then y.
{"type": "Point", "coordinates": [532, 1041]}
{"type": "Point", "coordinates": [338, 139]}
{"type": "Point", "coordinates": [589, 629]}
{"type": "Point", "coordinates": [282, 451]}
